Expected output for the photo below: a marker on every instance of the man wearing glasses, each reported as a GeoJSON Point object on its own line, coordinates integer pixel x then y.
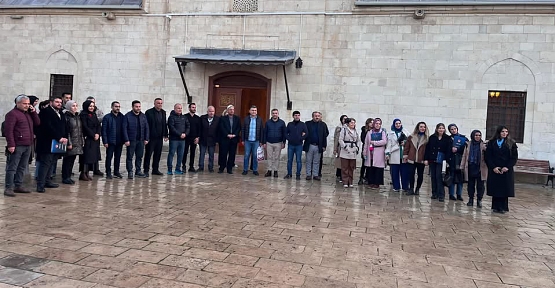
{"type": "Point", "coordinates": [112, 131]}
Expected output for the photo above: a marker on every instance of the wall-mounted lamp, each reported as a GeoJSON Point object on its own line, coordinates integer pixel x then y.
{"type": "Point", "coordinates": [16, 17]}
{"type": "Point", "coordinates": [109, 15]}
{"type": "Point", "coordinates": [299, 63]}
{"type": "Point", "coordinates": [494, 94]}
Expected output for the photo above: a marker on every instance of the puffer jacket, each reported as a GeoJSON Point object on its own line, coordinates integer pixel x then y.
{"type": "Point", "coordinates": [178, 124]}
{"type": "Point", "coordinates": [75, 139]}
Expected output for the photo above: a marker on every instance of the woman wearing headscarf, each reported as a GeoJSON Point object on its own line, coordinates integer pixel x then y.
{"type": "Point", "coordinates": [475, 169]}
{"type": "Point", "coordinates": [396, 139]}
{"type": "Point", "coordinates": [337, 148]}
{"type": "Point", "coordinates": [363, 130]}
{"type": "Point", "coordinates": [348, 143]}
{"type": "Point", "coordinates": [459, 142]}
{"type": "Point", "coordinates": [501, 157]}
{"type": "Point", "coordinates": [75, 140]}
{"type": "Point", "coordinates": [374, 154]}
{"type": "Point", "coordinates": [91, 131]}
{"type": "Point", "coordinates": [413, 155]}
{"type": "Point", "coordinates": [437, 150]}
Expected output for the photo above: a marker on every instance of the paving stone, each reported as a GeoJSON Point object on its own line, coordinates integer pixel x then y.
{"type": "Point", "coordinates": [17, 276]}
{"type": "Point", "coordinates": [22, 262]}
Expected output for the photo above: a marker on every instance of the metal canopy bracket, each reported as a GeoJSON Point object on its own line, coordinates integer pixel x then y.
{"type": "Point", "coordinates": [237, 57]}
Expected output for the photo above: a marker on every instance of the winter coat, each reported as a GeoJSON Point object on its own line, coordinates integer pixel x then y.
{"type": "Point", "coordinates": [19, 127]}
{"type": "Point", "coordinates": [501, 185]}
{"type": "Point", "coordinates": [274, 132]}
{"type": "Point", "coordinates": [156, 129]}
{"type": "Point", "coordinates": [395, 149]}
{"type": "Point", "coordinates": [323, 134]}
{"type": "Point", "coordinates": [208, 132]}
{"type": "Point", "coordinates": [76, 138]}
{"type": "Point", "coordinates": [194, 124]}
{"type": "Point", "coordinates": [435, 145]}
{"type": "Point", "coordinates": [51, 128]}
{"type": "Point", "coordinates": [224, 128]}
{"type": "Point", "coordinates": [336, 146]}
{"type": "Point", "coordinates": [455, 159]}
{"type": "Point", "coordinates": [375, 158]}
{"type": "Point", "coordinates": [130, 127]}
{"type": "Point", "coordinates": [178, 124]}
{"type": "Point", "coordinates": [110, 130]}
{"type": "Point", "coordinates": [349, 143]}
{"type": "Point", "coordinates": [91, 126]}
{"type": "Point", "coordinates": [294, 132]}
{"type": "Point", "coordinates": [483, 166]}
{"type": "Point", "coordinates": [245, 130]}
{"type": "Point", "coordinates": [414, 150]}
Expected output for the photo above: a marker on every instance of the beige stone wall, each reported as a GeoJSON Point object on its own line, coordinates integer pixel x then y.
{"type": "Point", "coordinates": [438, 69]}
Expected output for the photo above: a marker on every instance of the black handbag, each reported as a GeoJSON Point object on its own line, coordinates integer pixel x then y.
{"type": "Point", "coordinates": [447, 179]}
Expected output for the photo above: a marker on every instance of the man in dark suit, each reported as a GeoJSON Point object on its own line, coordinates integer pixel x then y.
{"type": "Point", "coordinates": [192, 139]}
{"type": "Point", "coordinates": [315, 144]}
{"type": "Point", "coordinates": [52, 127]}
{"type": "Point", "coordinates": [228, 134]}
{"type": "Point", "coordinates": [208, 138]}
{"type": "Point", "coordinates": [156, 118]}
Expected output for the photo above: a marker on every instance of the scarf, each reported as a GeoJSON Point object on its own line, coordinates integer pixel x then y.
{"type": "Point", "coordinates": [474, 155]}
{"type": "Point", "coordinates": [395, 129]}
{"type": "Point", "coordinates": [500, 142]}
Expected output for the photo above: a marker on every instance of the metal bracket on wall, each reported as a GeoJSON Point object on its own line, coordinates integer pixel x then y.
{"type": "Point", "coordinates": [181, 66]}
{"type": "Point", "coordinates": [289, 103]}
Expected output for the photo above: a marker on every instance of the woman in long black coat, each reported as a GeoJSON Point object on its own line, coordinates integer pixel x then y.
{"type": "Point", "coordinates": [91, 131]}
{"type": "Point", "coordinates": [501, 156]}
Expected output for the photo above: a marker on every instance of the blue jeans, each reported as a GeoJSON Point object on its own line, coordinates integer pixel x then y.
{"type": "Point", "coordinates": [452, 189]}
{"type": "Point", "coordinates": [297, 150]}
{"type": "Point", "coordinates": [399, 173]}
{"type": "Point", "coordinates": [250, 148]}
{"type": "Point", "coordinates": [203, 150]}
{"type": "Point", "coordinates": [179, 146]}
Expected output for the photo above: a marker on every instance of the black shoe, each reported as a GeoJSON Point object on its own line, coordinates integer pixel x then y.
{"type": "Point", "coordinates": [498, 211]}
{"type": "Point", "coordinates": [192, 170]}
{"type": "Point", "coordinates": [288, 176]}
{"type": "Point", "coordinates": [275, 174]}
{"type": "Point", "coordinates": [308, 177]}
{"type": "Point", "coordinates": [51, 185]}
{"type": "Point", "coordinates": [231, 172]}
{"type": "Point", "coordinates": [118, 175]}
{"type": "Point", "coordinates": [479, 204]}
{"type": "Point", "coordinates": [360, 182]}
{"type": "Point", "coordinates": [109, 176]}
{"type": "Point", "coordinates": [298, 177]}
{"type": "Point", "coordinates": [433, 197]}
{"type": "Point", "coordinates": [417, 191]}
{"type": "Point", "coordinates": [21, 189]}
{"type": "Point", "coordinates": [141, 175]}
{"type": "Point", "coordinates": [220, 171]}
{"type": "Point", "coordinates": [200, 170]}
{"type": "Point", "coordinates": [441, 200]}
{"type": "Point", "coordinates": [452, 198]}
{"type": "Point", "coordinates": [9, 192]}
{"type": "Point", "coordinates": [130, 175]}
{"type": "Point", "coordinates": [67, 181]}
{"type": "Point", "coordinates": [268, 174]}
{"type": "Point", "coordinates": [255, 173]}
{"type": "Point", "coordinates": [470, 202]}
{"type": "Point", "coordinates": [459, 197]}
{"type": "Point", "coordinates": [157, 173]}
{"type": "Point", "coordinates": [317, 178]}
{"type": "Point", "coordinates": [146, 175]}
{"type": "Point", "coordinates": [410, 192]}
{"type": "Point", "coordinates": [41, 189]}
{"type": "Point", "coordinates": [244, 173]}
{"type": "Point", "coordinates": [98, 173]}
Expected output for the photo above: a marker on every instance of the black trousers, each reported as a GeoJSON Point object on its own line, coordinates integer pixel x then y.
{"type": "Point", "coordinates": [67, 166]}
{"type": "Point", "coordinates": [45, 169]}
{"type": "Point", "coordinates": [320, 168]}
{"type": "Point", "coordinates": [226, 157]}
{"type": "Point", "coordinates": [113, 151]}
{"type": "Point", "coordinates": [476, 184]}
{"type": "Point", "coordinates": [498, 203]}
{"type": "Point", "coordinates": [190, 148]}
{"type": "Point", "coordinates": [154, 147]}
{"type": "Point", "coordinates": [438, 189]}
{"type": "Point", "coordinates": [419, 169]}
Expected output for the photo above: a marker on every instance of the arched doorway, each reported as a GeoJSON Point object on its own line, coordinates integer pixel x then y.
{"type": "Point", "coordinates": [242, 90]}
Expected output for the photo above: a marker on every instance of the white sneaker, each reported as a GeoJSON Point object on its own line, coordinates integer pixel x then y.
{"type": "Point", "coordinates": [345, 186]}
{"type": "Point", "coordinates": [351, 186]}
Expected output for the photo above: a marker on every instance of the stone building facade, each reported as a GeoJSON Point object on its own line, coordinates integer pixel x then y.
{"type": "Point", "coordinates": [363, 61]}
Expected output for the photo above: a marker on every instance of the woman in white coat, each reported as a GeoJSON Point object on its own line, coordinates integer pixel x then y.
{"type": "Point", "coordinates": [348, 143]}
{"type": "Point", "coordinates": [396, 139]}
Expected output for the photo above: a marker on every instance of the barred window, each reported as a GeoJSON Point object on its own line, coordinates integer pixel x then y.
{"type": "Point", "coordinates": [245, 5]}
{"type": "Point", "coordinates": [506, 108]}
{"type": "Point", "coordinates": [60, 83]}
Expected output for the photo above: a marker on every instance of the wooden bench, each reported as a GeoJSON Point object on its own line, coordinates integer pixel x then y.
{"type": "Point", "coordinates": [535, 167]}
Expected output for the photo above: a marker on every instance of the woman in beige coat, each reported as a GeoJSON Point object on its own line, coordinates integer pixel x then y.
{"type": "Point", "coordinates": [474, 167]}
{"type": "Point", "coordinates": [337, 149]}
{"type": "Point", "coordinates": [348, 143]}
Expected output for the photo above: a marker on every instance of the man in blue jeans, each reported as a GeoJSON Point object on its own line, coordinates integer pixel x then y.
{"type": "Point", "coordinates": [178, 127]}
{"type": "Point", "coordinates": [251, 134]}
{"type": "Point", "coordinates": [295, 133]}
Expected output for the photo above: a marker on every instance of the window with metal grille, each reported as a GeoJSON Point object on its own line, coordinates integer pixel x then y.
{"type": "Point", "coordinates": [506, 108]}
{"type": "Point", "coordinates": [60, 83]}
{"type": "Point", "coordinates": [245, 5]}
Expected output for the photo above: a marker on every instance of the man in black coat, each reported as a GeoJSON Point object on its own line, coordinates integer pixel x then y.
{"type": "Point", "coordinates": [156, 118]}
{"type": "Point", "coordinates": [112, 137]}
{"type": "Point", "coordinates": [208, 137]}
{"type": "Point", "coordinates": [228, 135]}
{"type": "Point", "coordinates": [315, 144]}
{"type": "Point", "coordinates": [52, 127]}
{"type": "Point", "coordinates": [192, 138]}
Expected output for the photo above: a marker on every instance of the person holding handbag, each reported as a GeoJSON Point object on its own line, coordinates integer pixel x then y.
{"type": "Point", "coordinates": [374, 154]}
{"type": "Point", "coordinates": [413, 155]}
{"type": "Point", "coordinates": [437, 151]}
{"type": "Point", "coordinates": [348, 143]}
{"type": "Point", "coordinates": [459, 142]}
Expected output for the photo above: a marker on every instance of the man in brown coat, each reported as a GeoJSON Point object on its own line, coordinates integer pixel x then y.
{"type": "Point", "coordinates": [18, 129]}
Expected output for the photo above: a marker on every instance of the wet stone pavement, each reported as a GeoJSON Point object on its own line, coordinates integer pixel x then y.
{"type": "Point", "coordinates": [220, 230]}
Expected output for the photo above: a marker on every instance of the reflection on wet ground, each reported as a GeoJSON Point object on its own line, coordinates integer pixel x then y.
{"type": "Point", "coordinates": [219, 230]}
